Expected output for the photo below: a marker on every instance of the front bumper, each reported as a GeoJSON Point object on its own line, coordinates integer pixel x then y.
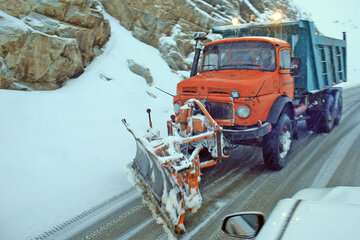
{"type": "Point", "coordinates": [236, 136]}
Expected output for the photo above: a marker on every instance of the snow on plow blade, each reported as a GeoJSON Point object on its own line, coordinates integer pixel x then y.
{"type": "Point", "coordinates": [157, 185]}
{"type": "Point", "coordinates": [147, 168]}
{"type": "Point", "coordinates": [168, 169]}
{"type": "Point", "coordinates": [169, 189]}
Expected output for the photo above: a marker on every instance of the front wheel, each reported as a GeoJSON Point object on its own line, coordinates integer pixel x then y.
{"type": "Point", "coordinates": [277, 144]}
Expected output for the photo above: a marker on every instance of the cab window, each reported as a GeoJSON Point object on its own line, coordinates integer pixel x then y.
{"type": "Point", "coordinates": [249, 55]}
{"type": "Point", "coordinates": [285, 59]}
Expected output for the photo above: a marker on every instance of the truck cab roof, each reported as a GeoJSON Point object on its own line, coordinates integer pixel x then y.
{"type": "Point", "coordinates": [273, 41]}
{"type": "Point", "coordinates": [322, 60]}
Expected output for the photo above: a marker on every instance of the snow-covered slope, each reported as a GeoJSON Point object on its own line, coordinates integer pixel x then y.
{"type": "Point", "coordinates": [65, 151]}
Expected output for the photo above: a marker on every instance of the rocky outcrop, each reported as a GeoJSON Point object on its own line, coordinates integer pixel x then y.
{"type": "Point", "coordinates": [5, 77]}
{"type": "Point", "coordinates": [44, 43]}
{"type": "Point", "coordinates": [169, 24]}
{"type": "Point", "coordinates": [43, 61]}
{"type": "Point", "coordinates": [140, 70]}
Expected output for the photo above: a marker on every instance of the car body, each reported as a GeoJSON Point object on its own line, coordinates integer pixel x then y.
{"type": "Point", "coordinates": [327, 213]}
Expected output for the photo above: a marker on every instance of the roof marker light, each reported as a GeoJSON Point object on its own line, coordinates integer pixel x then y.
{"type": "Point", "coordinates": [235, 21]}
{"type": "Point", "coordinates": [277, 17]}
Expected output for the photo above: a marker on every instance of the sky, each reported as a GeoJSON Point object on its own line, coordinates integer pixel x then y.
{"type": "Point", "coordinates": [332, 17]}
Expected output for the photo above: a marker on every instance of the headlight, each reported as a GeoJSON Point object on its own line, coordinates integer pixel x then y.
{"type": "Point", "coordinates": [243, 111]}
{"type": "Point", "coordinates": [176, 108]}
{"type": "Point", "coordinates": [235, 94]}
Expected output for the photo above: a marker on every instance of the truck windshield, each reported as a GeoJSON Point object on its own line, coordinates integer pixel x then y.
{"type": "Point", "coordinates": [239, 55]}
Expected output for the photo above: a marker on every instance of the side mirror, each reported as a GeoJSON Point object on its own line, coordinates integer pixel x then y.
{"type": "Point", "coordinates": [200, 36]}
{"type": "Point", "coordinates": [295, 66]}
{"type": "Point", "coordinates": [245, 225]}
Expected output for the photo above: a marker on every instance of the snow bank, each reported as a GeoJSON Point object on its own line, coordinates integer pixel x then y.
{"type": "Point", "coordinates": [65, 151]}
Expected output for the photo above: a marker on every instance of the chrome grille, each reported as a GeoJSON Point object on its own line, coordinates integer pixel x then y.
{"type": "Point", "coordinates": [222, 111]}
{"type": "Point", "coordinates": [218, 91]}
{"type": "Point", "coordinates": [189, 90]}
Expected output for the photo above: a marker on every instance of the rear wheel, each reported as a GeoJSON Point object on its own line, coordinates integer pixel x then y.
{"type": "Point", "coordinates": [277, 144]}
{"type": "Point", "coordinates": [338, 108]}
{"type": "Point", "coordinates": [325, 119]}
{"type": "Point", "coordinates": [313, 121]}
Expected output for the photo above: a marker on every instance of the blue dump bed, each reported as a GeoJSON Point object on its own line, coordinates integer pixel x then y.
{"type": "Point", "coordinates": [322, 59]}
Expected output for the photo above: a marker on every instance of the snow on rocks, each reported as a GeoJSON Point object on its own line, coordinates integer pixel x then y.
{"type": "Point", "coordinates": [44, 43]}
{"type": "Point", "coordinates": [169, 48]}
{"type": "Point", "coordinates": [141, 71]}
{"type": "Point", "coordinates": [66, 150]}
{"type": "Point", "coordinates": [41, 60]}
{"type": "Point", "coordinates": [169, 24]}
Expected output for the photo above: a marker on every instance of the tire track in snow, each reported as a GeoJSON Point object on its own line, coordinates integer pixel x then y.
{"type": "Point", "coordinates": [134, 231]}
{"type": "Point", "coordinates": [309, 155]}
{"type": "Point", "coordinates": [336, 157]}
{"type": "Point", "coordinates": [80, 222]}
{"type": "Point", "coordinates": [211, 193]}
{"type": "Point", "coordinates": [296, 167]}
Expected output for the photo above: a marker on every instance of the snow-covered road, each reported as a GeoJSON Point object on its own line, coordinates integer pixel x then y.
{"type": "Point", "coordinates": [242, 183]}
{"type": "Point", "coordinates": [63, 153]}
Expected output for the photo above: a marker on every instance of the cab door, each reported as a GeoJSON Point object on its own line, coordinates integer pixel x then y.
{"type": "Point", "coordinates": [286, 81]}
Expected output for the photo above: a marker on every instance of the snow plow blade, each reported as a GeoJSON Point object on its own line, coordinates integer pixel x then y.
{"type": "Point", "coordinates": [147, 168]}
{"type": "Point", "coordinates": [161, 192]}
{"type": "Point", "coordinates": [168, 169]}
{"type": "Point", "coordinates": [157, 185]}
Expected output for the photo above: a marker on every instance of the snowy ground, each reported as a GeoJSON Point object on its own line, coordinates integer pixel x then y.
{"type": "Point", "coordinates": [65, 151]}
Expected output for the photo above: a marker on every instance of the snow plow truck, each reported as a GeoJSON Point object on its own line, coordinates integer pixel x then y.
{"type": "Point", "coordinates": [251, 87]}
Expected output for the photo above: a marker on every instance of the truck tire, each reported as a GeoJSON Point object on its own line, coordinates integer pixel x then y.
{"type": "Point", "coordinates": [332, 111]}
{"type": "Point", "coordinates": [328, 115]}
{"type": "Point", "coordinates": [338, 109]}
{"type": "Point", "coordinates": [277, 144]}
{"type": "Point", "coordinates": [313, 121]}
{"type": "Point", "coordinates": [325, 119]}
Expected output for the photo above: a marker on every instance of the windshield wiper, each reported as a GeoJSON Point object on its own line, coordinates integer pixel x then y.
{"type": "Point", "coordinates": [250, 65]}
{"type": "Point", "coordinates": [242, 66]}
{"type": "Point", "coordinates": [209, 65]}
{"type": "Point", "coordinates": [229, 66]}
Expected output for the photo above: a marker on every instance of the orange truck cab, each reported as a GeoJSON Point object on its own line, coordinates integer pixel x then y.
{"type": "Point", "coordinates": [258, 87]}
{"type": "Point", "coordinates": [239, 80]}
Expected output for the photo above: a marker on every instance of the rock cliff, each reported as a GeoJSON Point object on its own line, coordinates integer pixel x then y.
{"type": "Point", "coordinates": [169, 24]}
{"type": "Point", "coordinates": [45, 42]}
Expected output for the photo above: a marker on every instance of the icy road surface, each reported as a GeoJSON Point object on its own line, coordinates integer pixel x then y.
{"type": "Point", "coordinates": [242, 183]}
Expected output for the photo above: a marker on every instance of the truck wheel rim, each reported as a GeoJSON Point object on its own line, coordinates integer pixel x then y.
{"type": "Point", "coordinates": [285, 143]}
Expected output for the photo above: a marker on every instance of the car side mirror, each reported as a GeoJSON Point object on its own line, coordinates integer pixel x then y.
{"type": "Point", "coordinates": [295, 66]}
{"type": "Point", "coordinates": [245, 225]}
